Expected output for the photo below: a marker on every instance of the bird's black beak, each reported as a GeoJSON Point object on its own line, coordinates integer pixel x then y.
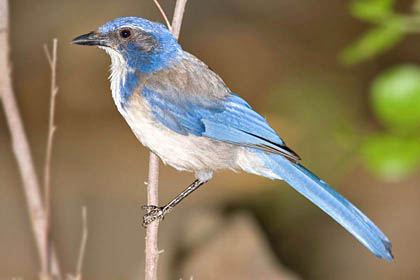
{"type": "Point", "coordinates": [91, 39]}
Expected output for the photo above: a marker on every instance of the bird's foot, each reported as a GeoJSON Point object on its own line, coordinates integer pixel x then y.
{"type": "Point", "coordinates": [153, 213]}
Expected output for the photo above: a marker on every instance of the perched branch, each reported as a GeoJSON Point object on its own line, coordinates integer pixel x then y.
{"type": "Point", "coordinates": [177, 19]}
{"type": "Point", "coordinates": [52, 60]}
{"type": "Point", "coordinates": [152, 250]}
{"type": "Point", "coordinates": [21, 148]}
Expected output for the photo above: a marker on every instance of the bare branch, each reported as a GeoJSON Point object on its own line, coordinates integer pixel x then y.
{"type": "Point", "coordinates": [52, 60]}
{"type": "Point", "coordinates": [48, 55]}
{"type": "Point", "coordinates": [151, 250]}
{"type": "Point", "coordinates": [162, 12]}
{"type": "Point", "coordinates": [82, 249]}
{"type": "Point", "coordinates": [21, 148]}
{"type": "Point", "coordinates": [82, 244]}
{"type": "Point", "coordinates": [177, 19]}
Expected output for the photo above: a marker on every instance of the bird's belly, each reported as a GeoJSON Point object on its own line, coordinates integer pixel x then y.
{"type": "Point", "coordinates": [184, 152]}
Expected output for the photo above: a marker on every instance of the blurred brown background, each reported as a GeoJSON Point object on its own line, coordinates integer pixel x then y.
{"type": "Point", "coordinates": [279, 55]}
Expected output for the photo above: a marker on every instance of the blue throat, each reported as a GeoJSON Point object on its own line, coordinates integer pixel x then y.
{"type": "Point", "coordinates": [141, 65]}
{"type": "Point", "coordinates": [131, 84]}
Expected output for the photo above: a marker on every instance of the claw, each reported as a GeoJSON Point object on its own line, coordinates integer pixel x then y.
{"type": "Point", "coordinates": [153, 213]}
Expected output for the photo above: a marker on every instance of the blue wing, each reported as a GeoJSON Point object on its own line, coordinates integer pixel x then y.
{"type": "Point", "coordinates": [230, 120]}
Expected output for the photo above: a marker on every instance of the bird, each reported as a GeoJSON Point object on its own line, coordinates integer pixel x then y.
{"type": "Point", "coordinates": [184, 113]}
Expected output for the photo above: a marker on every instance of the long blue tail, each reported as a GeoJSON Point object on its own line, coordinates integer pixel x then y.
{"type": "Point", "coordinates": [332, 203]}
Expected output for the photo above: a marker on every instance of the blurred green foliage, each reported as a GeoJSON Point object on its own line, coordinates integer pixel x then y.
{"type": "Point", "coordinates": [391, 157]}
{"type": "Point", "coordinates": [375, 41]}
{"type": "Point", "coordinates": [395, 93]}
{"type": "Point", "coordinates": [389, 28]}
{"type": "Point", "coordinates": [395, 98]}
{"type": "Point", "coordinates": [372, 10]}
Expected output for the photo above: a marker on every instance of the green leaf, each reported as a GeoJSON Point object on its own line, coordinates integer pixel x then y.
{"type": "Point", "coordinates": [374, 42]}
{"type": "Point", "coordinates": [395, 98]}
{"type": "Point", "coordinates": [372, 10]}
{"type": "Point", "coordinates": [390, 157]}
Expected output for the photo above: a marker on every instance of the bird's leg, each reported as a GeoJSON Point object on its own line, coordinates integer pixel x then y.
{"type": "Point", "coordinates": [155, 212]}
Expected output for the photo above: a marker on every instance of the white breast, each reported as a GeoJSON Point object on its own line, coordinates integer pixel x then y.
{"type": "Point", "coordinates": [119, 70]}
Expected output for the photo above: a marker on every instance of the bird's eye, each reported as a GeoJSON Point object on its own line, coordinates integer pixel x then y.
{"type": "Point", "coordinates": [125, 33]}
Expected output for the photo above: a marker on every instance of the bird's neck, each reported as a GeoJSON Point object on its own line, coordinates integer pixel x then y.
{"type": "Point", "coordinates": [153, 62]}
{"type": "Point", "coordinates": [127, 74]}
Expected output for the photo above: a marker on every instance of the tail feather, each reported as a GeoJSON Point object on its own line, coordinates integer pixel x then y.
{"type": "Point", "coordinates": [331, 202]}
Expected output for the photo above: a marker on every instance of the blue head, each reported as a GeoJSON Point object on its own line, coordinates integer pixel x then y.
{"type": "Point", "coordinates": [144, 46]}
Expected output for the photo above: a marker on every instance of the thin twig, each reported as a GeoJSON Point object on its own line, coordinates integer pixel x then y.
{"type": "Point", "coordinates": [21, 148]}
{"type": "Point", "coordinates": [152, 250]}
{"type": "Point", "coordinates": [52, 60]}
{"type": "Point", "coordinates": [162, 12]}
{"type": "Point", "coordinates": [82, 249]}
{"type": "Point", "coordinates": [82, 245]}
{"type": "Point", "coordinates": [177, 19]}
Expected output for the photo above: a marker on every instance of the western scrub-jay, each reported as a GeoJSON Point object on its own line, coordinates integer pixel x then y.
{"type": "Point", "coordinates": [183, 112]}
